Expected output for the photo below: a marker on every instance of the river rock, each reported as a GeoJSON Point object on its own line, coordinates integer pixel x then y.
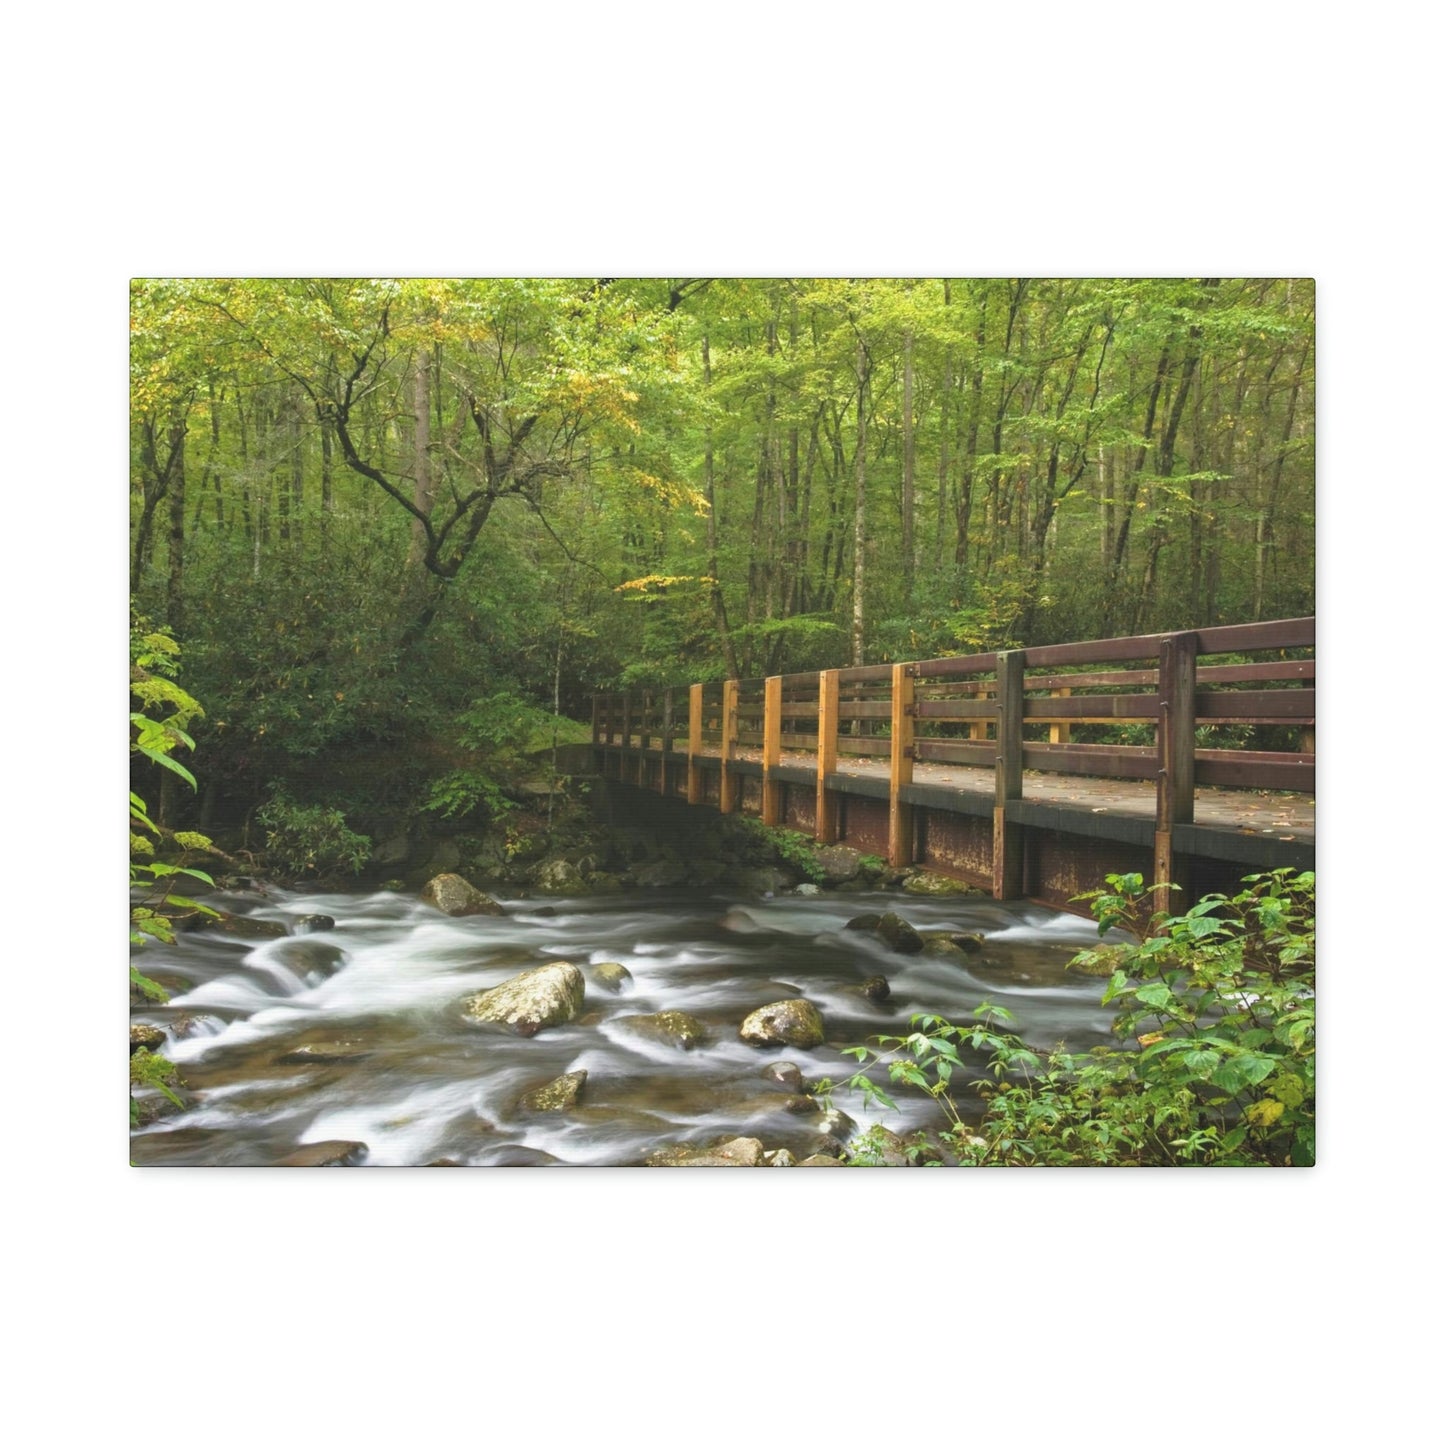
{"type": "Point", "coordinates": [455, 897]}
{"type": "Point", "coordinates": [331, 1152]}
{"type": "Point", "coordinates": [779, 1159]}
{"type": "Point", "coordinates": [864, 923]}
{"type": "Point", "coordinates": [559, 1094]}
{"type": "Point", "coordinates": [146, 1036]}
{"type": "Point", "coordinates": [313, 923]}
{"type": "Point", "coordinates": [807, 890]}
{"type": "Point", "coordinates": [757, 882]}
{"type": "Point", "coordinates": [327, 1051]}
{"type": "Point", "coordinates": [559, 875]}
{"type": "Point", "coordinates": [612, 977]}
{"type": "Point", "coordinates": [311, 956]}
{"type": "Point", "coordinates": [940, 947]}
{"type": "Point", "coordinates": [818, 1161]}
{"type": "Point", "coordinates": [237, 925]}
{"type": "Point", "coordinates": [790, 1021]}
{"type": "Point", "coordinates": [935, 885]}
{"type": "Point", "coordinates": [785, 1076]}
{"type": "Point", "coordinates": [836, 1125]}
{"type": "Point", "coordinates": [840, 864]}
{"type": "Point", "coordinates": [672, 1026]}
{"type": "Point", "coordinates": [878, 1147]}
{"type": "Point", "coordinates": [538, 999]}
{"type": "Point", "coordinates": [734, 1153]}
{"type": "Point", "coordinates": [874, 988]}
{"type": "Point", "coordinates": [894, 931]}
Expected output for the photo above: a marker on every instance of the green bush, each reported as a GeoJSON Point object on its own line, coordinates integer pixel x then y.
{"type": "Point", "coordinates": [1218, 1009]}
{"type": "Point", "coordinates": [310, 841]}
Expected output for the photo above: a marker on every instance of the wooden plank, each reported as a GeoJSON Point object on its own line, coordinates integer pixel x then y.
{"type": "Point", "coordinates": [1278, 705]}
{"type": "Point", "coordinates": [1287, 772]}
{"type": "Point", "coordinates": [970, 666]}
{"type": "Point", "coordinates": [1175, 736]}
{"type": "Point", "coordinates": [847, 676]}
{"type": "Point", "coordinates": [694, 742]}
{"type": "Point", "coordinates": [825, 829]}
{"type": "Point", "coordinates": [1073, 759]}
{"type": "Point", "coordinates": [900, 769]}
{"type": "Point", "coordinates": [957, 708]}
{"type": "Point", "coordinates": [1008, 776]}
{"type": "Point", "coordinates": [1059, 732]}
{"type": "Point", "coordinates": [849, 710]}
{"type": "Point", "coordinates": [950, 750]}
{"type": "Point", "coordinates": [1122, 707]}
{"type": "Point", "coordinates": [863, 747]}
{"type": "Point", "coordinates": [772, 804]}
{"type": "Point", "coordinates": [1255, 636]}
{"type": "Point", "coordinates": [728, 782]}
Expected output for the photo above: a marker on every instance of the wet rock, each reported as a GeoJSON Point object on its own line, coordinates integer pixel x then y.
{"type": "Point", "coordinates": [313, 923]}
{"type": "Point", "coordinates": [545, 911]}
{"type": "Point", "coordinates": [1099, 961]}
{"type": "Point", "coordinates": [900, 936]}
{"type": "Point", "coordinates": [939, 947]}
{"type": "Point", "coordinates": [329, 1153]}
{"type": "Point", "coordinates": [538, 999]}
{"type": "Point", "coordinates": [785, 1076]}
{"type": "Point", "coordinates": [836, 1126]}
{"type": "Point", "coordinates": [879, 1147]}
{"type": "Point", "coordinates": [735, 1153]}
{"type": "Point", "coordinates": [327, 1051]}
{"type": "Point", "coordinates": [559, 875]}
{"type": "Point", "coordinates": [874, 988]}
{"type": "Point", "coordinates": [672, 1026]}
{"type": "Point", "coordinates": [311, 956]}
{"type": "Point", "coordinates": [840, 864]}
{"type": "Point", "coordinates": [146, 1036]}
{"type": "Point", "coordinates": [807, 890]}
{"type": "Point", "coordinates": [779, 1159]}
{"type": "Point", "coordinates": [188, 1026]}
{"type": "Point", "coordinates": [790, 1021]}
{"type": "Point", "coordinates": [819, 1161]}
{"type": "Point", "coordinates": [757, 882]}
{"type": "Point", "coordinates": [801, 1104]}
{"type": "Point", "coordinates": [559, 1094]}
{"type": "Point", "coordinates": [443, 1164]}
{"type": "Point", "coordinates": [935, 885]}
{"type": "Point", "coordinates": [236, 925]}
{"type": "Point", "coordinates": [455, 897]}
{"type": "Point", "coordinates": [611, 976]}
{"type": "Point", "coordinates": [864, 923]}
{"type": "Point", "coordinates": [968, 942]}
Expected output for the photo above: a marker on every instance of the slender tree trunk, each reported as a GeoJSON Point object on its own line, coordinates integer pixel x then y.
{"type": "Point", "coordinates": [422, 490]}
{"type": "Point", "coordinates": [910, 554]}
{"type": "Point", "coordinates": [859, 504]}
{"type": "Point", "coordinates": [719, 603]}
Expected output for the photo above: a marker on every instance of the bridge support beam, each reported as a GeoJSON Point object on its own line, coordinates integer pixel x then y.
{"type": "Point", "coordinates": [728, 782]}
{"type": "Point", "coordinates": [1174, 798]}
{"type": "Point", "coordinates": [772, 750]}
{"type": "Point", "coordinates": [900, 768]}
{"type": "Point", "coordinates": [1008, 777]}
{"type": "Point", "coordinates": [825, 828]}
{"type": "Point", "coordinates": [694, 743]}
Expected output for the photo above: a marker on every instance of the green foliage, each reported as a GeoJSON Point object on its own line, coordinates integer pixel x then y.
{"type": "Point", "coordinates": [309, 841]}
{"type": "Point", "coordinates": [496, 733]}
{"type": "Point", "coordinates": [1218, 1009]}
{"type": "Point", "coordinates": [153, 1071]}
{"type": "Point", "coordinates": [795, 850]}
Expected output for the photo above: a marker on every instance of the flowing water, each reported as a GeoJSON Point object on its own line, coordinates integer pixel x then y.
{"type": "Point", "coordinates": [356, 1033]}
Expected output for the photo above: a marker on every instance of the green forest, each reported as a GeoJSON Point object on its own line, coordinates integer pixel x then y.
{"type": "Point", "coordinates": [396, 528]}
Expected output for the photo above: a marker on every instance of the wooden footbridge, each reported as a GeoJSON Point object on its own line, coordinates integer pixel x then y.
{"type": "Point", "coordinates": [977, 767]}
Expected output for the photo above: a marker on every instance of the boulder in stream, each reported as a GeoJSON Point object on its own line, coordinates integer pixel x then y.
{"type": "Point", "coordinates": [900, 935]}
{"type": "Point", "coordinates": [328, 1153]}
{"type": "Point", "coordinates": [611, 977]}
{"type": "Point", "coordinates": [451, 893]}
{"type": "Point", "coordinates": [732, 1153]}
{"type": "Point", "coordinates": [238, 925]}
{"type": "Point", "coordinates": [879, 1147]}
{"type": "Point", "coordinates": [538, 999]}
{"type": "Point", "coordinates": [790, 1021]}
{"type": "Point", "coordinates": [559, 876]}
{"type": "Point", "coordinates": [146, 1036]}
{"type": "Point", "coordinates": [785, 1076]}
{"type": "Point", "coordinates": [314, 923]}
{"type": "Point", "coordinates": [671, 1026]}
{"type": "Point", "coordinates": [934, 885]}
{"type": "Point", "coordinates": [840, 863]}
{"type": "Point", "coordinates": [558, 1095]}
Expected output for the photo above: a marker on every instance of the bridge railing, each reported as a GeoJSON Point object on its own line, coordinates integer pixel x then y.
{"type": "Point", "coordinates": [1007, 711]}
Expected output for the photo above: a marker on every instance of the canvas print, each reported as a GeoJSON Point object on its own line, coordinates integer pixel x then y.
{"type": "Point", "coordinates": [725, 722]}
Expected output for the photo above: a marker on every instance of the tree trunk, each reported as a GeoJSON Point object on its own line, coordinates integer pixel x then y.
{"type": "Point", "coordinates": [910, 558]}
{"type": "Point", "coordinates": [859, 507]}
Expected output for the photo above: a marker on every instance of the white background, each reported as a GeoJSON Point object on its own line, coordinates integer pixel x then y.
{"type": "Point", "coordinates": [1123, 139]}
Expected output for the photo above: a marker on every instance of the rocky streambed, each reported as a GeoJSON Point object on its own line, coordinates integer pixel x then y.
{"type": "Point", "coordinates": [673, 1027]}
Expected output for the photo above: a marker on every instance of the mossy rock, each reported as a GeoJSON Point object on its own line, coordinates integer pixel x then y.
{"type": "Point", "coordinates": [935, 885]}
{"type": "Point", "coordinates": [731, 1153]}
{"type": "Point", "coordinates": [538, 999]}
{"type": "Point", "coordinates": [611, 977]}
{"type": "Point", "coordinates": [454, 896]}
{"type": "Point", "coordinates": [672, 1026]}
{"type": "Point", "coordinates": [552, 1098]}
{"type": "Point", "coordinates": [790, 1021]}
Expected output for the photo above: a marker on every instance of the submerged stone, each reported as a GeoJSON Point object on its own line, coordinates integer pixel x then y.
{"type": "Point", "coordinates": [559, 1094]}
{"type": "Point", "coordinates": [734, 1153]}
{"type": "Point", "coordinates": [329, 1153]}
{"type": "Point", "coordinates": [314, 923]}
{"type": "Point", "coordinates": [611, 977]}
{"type": "Point", "coordinates": [672, 1026]}
{"type": "Point", "coordinates": [236, 925]}
{"type": "Point", "coordinates": [538, 999]}
{"type": "Point", "coordinates": [935, 885]}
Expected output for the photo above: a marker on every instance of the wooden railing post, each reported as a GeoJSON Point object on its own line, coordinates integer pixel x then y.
{"type": "Point", "coordinates": [825, 827]}
{"type": "Point", "coordinates": [1174, 800]}
{"type": "Point", "coordinates": [666, 742]}
{"type": "Point", "coordinates": [772, 750]}
{"type": "Point", "coordinates": [728, 782]}
{"type": "Point", "coordinates": [900, 768]}
{"type": "Point", "coordinates": [1060, 732]}
{"type": "Point", "coordinates": [694, 743]}
{"type": "Point", "coordinates": [1008, 777]}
